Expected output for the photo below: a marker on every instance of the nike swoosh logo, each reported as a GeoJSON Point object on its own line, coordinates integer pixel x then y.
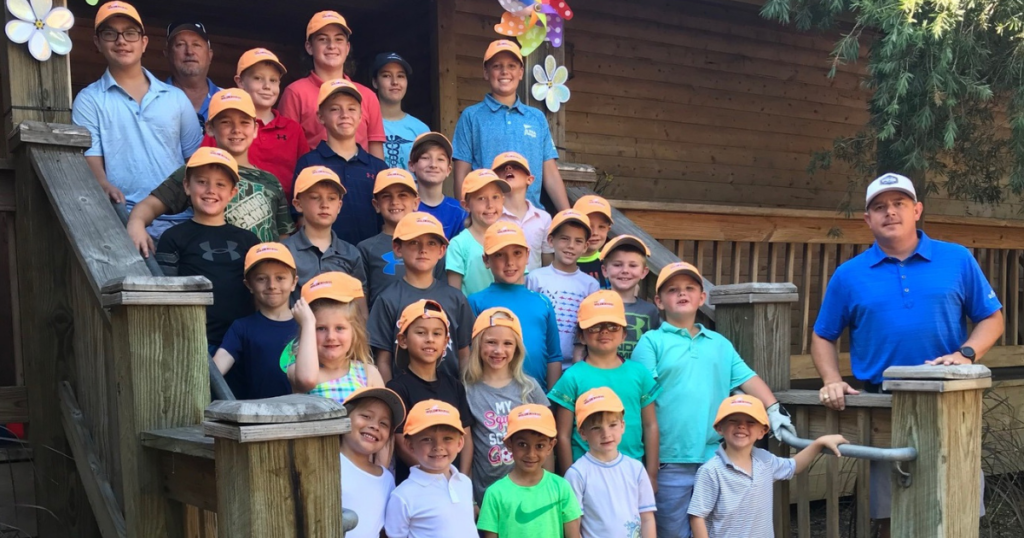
{"type": "Point", "coordinates": [523, 517]}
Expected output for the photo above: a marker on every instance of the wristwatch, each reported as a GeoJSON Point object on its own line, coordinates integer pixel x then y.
{"type": "Point", "coordinates": [968, 353]}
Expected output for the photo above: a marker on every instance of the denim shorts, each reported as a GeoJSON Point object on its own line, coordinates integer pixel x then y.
{"type": "Point", "coordinates": [675, 489]}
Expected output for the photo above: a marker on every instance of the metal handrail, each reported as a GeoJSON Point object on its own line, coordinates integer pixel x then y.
{"type": "Point", "coordinates": [856, 451]}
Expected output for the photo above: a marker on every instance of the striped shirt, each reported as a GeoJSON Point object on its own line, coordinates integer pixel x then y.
{"type": "Point", "coordinates": [735, 504]}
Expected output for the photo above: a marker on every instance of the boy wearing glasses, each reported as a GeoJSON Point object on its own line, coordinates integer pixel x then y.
{"type": "Point", "coordinates": [142, 129]}
{"type": "Point", "coordinates": [327, 41]}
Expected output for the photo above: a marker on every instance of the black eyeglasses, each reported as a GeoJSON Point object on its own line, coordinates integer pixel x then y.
{"type": "Point", "coordinates": [110, 35]}
{"type": "Point", "coordinates": [601, 327]}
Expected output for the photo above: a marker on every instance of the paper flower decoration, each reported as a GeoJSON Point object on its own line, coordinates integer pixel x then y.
{"type": "Point", "coordinates": [534, 21]}
{"type": "Point", "coordinates": [44, 29]}
{"type": "Point", "coordinates": [550, 86]}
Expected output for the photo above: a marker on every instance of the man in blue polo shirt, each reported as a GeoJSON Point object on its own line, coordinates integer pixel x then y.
{"type": "Point", "coordinates": [190, 53]}
{"type": "Point", "coordinates": [905, 301]}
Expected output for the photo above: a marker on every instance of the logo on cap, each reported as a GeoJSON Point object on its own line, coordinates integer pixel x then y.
{"type": "Point", "coordinates": [888, 180]}
{"type": "Point", "coordinates": [395, 173]}
{"type": "Point", "coordinates": [592, 399]}
{"type": "Point", "coordinates": [262, 52]}
{"type": "Point", "coordinates": [321, 170]}
{"type": "Point", "coordinates": [328, 15]}
{"type": "Point", "coordinates": [487, 173]}
{"type": "Point", "coordinates": [603, 304]}
{"type": "Point", "coordinates": [740, 401]}
{"type": "Point", "coordinates": [529, 413]}
{"type": "Point", "coordinates": [263, 249]}
{"type": "Point", "coordinates": [319, 284]}
{"type": "Point", "coordinates": [504, 43]}
{"type": "Point", "coordinates": [230, 97]}
{"type": "Point", "coordinates": [424, 220]}
{"type": "Point", "coordinates": [114, 6]}
{"type": "Point", "coordinates": [218, 153]}
{"type": "Point", "coordinates": [505, 230]}
{"type": "Point", "coordinates": [437, 411]}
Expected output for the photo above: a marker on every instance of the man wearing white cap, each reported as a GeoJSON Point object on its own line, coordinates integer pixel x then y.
{"type": "Point", "coordinates": [904, 301]}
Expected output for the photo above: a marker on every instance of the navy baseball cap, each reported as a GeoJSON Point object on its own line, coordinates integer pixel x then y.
{"type": "Point", "coordinates": [187, 26]}
{"type": "Point", "coordinates": [385, 58]}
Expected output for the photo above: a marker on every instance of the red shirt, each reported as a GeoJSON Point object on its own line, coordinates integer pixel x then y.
{"type": "Point", "coordinates": [298, 102]}
{"type": "Point", "coordinates": [277, 148]}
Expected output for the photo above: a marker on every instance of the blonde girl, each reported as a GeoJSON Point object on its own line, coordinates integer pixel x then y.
{"type": "Point", "coordinates": [331, 357]}
{"type": "Point", "coordinates": [484, 199]}
{"type": "Point", "coordinates": [495, 384]}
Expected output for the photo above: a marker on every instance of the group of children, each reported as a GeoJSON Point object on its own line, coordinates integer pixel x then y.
{"type": "Point", "coordinates": [502, 343]}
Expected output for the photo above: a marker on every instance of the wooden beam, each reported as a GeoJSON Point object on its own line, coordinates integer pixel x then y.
{"type": "Point", "coordinates": [13, 404]}
{"type": "Point", "coordinates": [189, 479]}
{"type": "Point", "coordinates": [810, 397]}
{"type": "Point", "coordinates": [802, 367]}
{"type": "Point", "coordinates": [444, 72]}
{"type": "Point", "coordinates": [50, 134]}
{"type": "Point", "coordinates": [90, 469]}
{"type": "Point", "coordinates": [188, 440]}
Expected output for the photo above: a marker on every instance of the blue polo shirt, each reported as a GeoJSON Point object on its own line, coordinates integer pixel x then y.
{"type": "Point", "coordinates": [902, 313]}
{"type": "Point", "coordinates": [204, 111]}
{"type": "Point", "coordinates": [358, 220]}
{"type": "Point", "coordinates": [489, 128]}
{"type": "Point", "coordinates": [141, 144]}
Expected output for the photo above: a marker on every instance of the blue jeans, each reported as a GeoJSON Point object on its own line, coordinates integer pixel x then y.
{"type": "Point", "coordinates": [675, 488]}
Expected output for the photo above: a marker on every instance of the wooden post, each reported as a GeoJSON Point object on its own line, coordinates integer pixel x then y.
{"type": "Point", "coordinates": [444, 73]}
{"type": "Point", "coordinates": [278, 471]}
{"type": "Point", "coordinates": [937, 409]}
{"type": "Point", "coordinates": [160, 360]}
{"type": "Point", "coordinates": [755, 317]}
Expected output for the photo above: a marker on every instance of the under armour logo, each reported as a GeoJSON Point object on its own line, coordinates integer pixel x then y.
{"type": "Point", "coordinates": [230, 250]}
{"type": "Point", "coordinates": [282, 137]}
{"type": "Point", "coordinates": [392, 263]}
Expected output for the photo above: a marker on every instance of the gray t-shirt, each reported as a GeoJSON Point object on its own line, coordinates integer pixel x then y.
{"type": "Point", "coordinates": [382, 267]}
{"type": "Point", "coordinates": [383, 322]}
{"type": "Point", "coordinates": [490, 407]}
{"type": "Point", "coordinates": [641, 317]}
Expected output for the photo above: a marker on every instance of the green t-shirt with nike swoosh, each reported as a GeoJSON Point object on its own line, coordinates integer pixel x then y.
{"type": "Point", "coordinates": [514, 511]}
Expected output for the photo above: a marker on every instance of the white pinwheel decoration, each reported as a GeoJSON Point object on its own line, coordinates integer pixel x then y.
{"type": "Point", "coordinates": [550, 86]}
{"type": "Point", "coordinates": [40, 25]}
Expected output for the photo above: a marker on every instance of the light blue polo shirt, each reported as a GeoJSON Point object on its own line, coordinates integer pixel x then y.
{"type": "Point", "coordinates": [141, 144]}
{"type": "Point", "coordinates": [489, 128]}
{"type": "Point", "coordinates": [696, 374]}
{"type": "Point", "coordinates": [902, 313]}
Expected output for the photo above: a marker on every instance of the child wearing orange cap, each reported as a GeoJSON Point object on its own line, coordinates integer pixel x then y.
{"type": "Point", "coordinates": [331, 357]}
{"type": "Point", "coordinates": [430, 160]}
{"type": "Point", "coordinates": [519, 210]}
{"type": "Point", "coordinates": [366, 483]}
{"type": "Point", "coordinates": [259, 206]}
{"type": "Point", "coordinates": [249, 352]}
{"type": "Point", "coordinates": [206, 245]}
{"type": "Point", "coordinates": [279, 139]}
{"type": "Point", "coordinates": [601, 326]}
{"type": "Point", "coordinates": [437, 500]}
{"type": "Point", "coordinates": [422, 340]}
{"type": "Point", "coordinates": [495, 383]}
{"type": "Point", "coordinates": [419, 242]}
{"type": "Point", "coordinates": [624, 265]}
{"type": "Point", "coordinates": [328, 43]}
{"type": "Point", "coordinates": [483, 198]}
{"type": "Point", "coordinates": [599, 211]}
{"type": "Point", "coordinates": [614, 491]}
{"type": "Point", "coordinates": [530, 501]}
{"type": "Point", "coordinates": [732, 493]}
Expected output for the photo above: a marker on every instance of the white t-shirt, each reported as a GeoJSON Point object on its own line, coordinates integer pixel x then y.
{"type": "Point", "coordinates": [535, 227]}
{"type": "Point", "coordinates": [612, 495]}
{"type": "Point", "coordinates": [366, 495]}
{"type": "Point", "coordinates": [566, 291]}
{"type": "Point", "coordinates": [427, 505]}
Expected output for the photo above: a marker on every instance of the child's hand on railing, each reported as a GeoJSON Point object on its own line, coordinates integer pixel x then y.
{"type": "Point", "coordinates": [831, 442]}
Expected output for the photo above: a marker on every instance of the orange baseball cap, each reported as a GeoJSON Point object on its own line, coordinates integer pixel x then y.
{"type": "Point", "coordinates": [422, 309]}
{"type": "Point", "coordinates": [116, 8]}
{"type": "Point", "coordinates": [430, 413]}
{"type": "Point", "coordinates": [268, 251]}
{"type": "Point", "coordinates": [478, 179]}
{"type": "Point", "coordinates": [597, 400]}
{"type": "Point", "coordinates": [531, 417]}
{"type": "Point", "coordinates": [338, 85]}
{"type": "Point", "coordinates": [326, 18]}
{"type": "Point", "coordinates": [252, 57]}
{"type": "Point", "coordinates": [569, 215]}
{"type": "Point", "coordinates": [492, 318]}
{"type": "Point", "coordinates": [745, 404]}
{"type": "Point", "coordinates": [620, 241]}
{"type": "Point", "coordinates": [600, 307]}
{"type": "Point", "coordinates": [311, 175]}
{"type": "Point", "coordinates": [388, 396]}
{"type": "Point", "coordinates": [593, 203]}
{"type": "Point", "coordinates": [503, 45]}
{"type": "Point", "coordinates": [394, 176]}
{"type": "Point", "coordinates": [431, 136]}
{"type": "Point", "coordinates": [502, 234]}
{"type": "Point", "coordinates": [510, 157]}
{"type": "Point", "coordinates": [333, 285]}
{"type": "Point", "coordinates": [205, 156]}
{"type": "Point", "coordinates": [678, 268]}
{"type": "Point", "coordinates": [232, 99]}
{"type": "Point", "coordinates": [416, 224]}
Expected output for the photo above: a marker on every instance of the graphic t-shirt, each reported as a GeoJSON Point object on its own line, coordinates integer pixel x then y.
{"type": "Point", "coordinates": [256, 342]}
{"type": "Point", "coordinates": [566, 291]}
{"type": "Point", "coordinates": [382, 267]}
{"type": "Point", "coordinates": [641, 317]}
{"type": "Point", "coordinates": [400, 136]}
{"type": "Point", "coordinates": [612, 494]}
{"type": "Point", "coordinates": [217, 253]}
{"type": "Point", "coordinates": [514, 511]}
{"type": "Point", "coordinates": [260, 205]}
{"type": "Point", "coordinates": [490, 407]}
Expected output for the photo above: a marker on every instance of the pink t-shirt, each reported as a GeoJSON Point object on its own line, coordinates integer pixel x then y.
{"type": "Point", "coordinates": [298, 102]}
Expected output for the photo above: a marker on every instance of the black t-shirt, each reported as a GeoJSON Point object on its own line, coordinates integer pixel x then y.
{"type": "Point", "coordinates": [593, 268]}
{"type": "Point", "coordinates": [413, 390]}
{"type": "Point", "coordinates": [217, 253]}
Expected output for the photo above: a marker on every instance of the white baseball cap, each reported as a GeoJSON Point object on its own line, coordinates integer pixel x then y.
{"type": "Point", "coordinates": [890, 182]}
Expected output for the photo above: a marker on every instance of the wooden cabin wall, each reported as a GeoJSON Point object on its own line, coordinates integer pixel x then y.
{"type": "Point", "coordinates": [699, 102]}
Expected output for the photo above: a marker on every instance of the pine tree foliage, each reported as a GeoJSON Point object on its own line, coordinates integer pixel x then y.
{"type": "Point", "coordinates": [947, 83]}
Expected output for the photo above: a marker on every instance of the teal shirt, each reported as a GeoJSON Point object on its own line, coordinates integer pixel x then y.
{"type": "Point", "coordinates": [631, 382]}
{"type": "Point", "coordinates": [466, 257]}
{"type": "Point", "coordinates": [697, 373]}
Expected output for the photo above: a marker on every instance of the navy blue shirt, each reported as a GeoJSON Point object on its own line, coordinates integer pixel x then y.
{"type": "Point", "coordinates": [256, 343]}
{"type": "Point", "coordinates": [902, 313]}
{"type": "Point", "coordinates": [358, 220]}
